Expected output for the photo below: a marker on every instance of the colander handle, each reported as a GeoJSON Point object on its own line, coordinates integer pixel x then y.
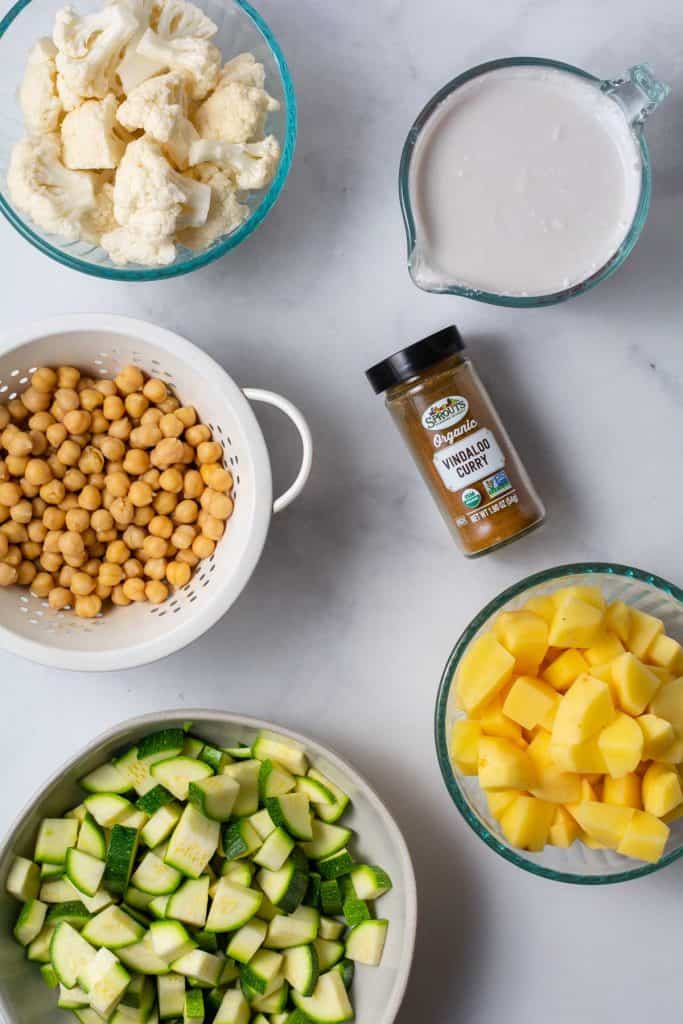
{"type": "Point", "coordinates": [285, 406]}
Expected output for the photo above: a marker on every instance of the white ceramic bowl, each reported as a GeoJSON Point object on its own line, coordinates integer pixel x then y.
{"type": "Point", "coordinates": [140, 633]}
{"type": "Point", "coordinates": [377, 992]}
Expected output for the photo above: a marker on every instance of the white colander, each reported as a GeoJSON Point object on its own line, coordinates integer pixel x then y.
{"type": "Point", "coordinates": [140, 633]}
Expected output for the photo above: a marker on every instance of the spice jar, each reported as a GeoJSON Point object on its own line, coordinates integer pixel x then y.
{"type": "Point", "coordinates": [459, 444]}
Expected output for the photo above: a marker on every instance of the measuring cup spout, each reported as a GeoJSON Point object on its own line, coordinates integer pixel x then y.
{"type": "Point", "coordinates": [638, 92]}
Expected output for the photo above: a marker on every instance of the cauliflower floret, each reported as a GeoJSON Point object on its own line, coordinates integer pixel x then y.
{"type": "Point", "coordinates": [134, 69]}
{"type": "Point", "coordinates": [101, 219]}
{"type": "Point", "coordinates": [55, 198]}
{"type": "Point", "coordinates": [89, 49]}
{"type": "Point", "coordinates": [243, 68]}
{"type": "Point", "coordinates": [252, 165]}
{"type": "Point", "coordinates": [125, 246]}
{"type": "Point", "coordinates": [177, 19]}
{"type": "Point", "coordinates": [89, 141]}
{"type": "Point", "coordinates": [153, 200]}
{"type": "Point", "coordinates": [159, 107]}
{"type": "Point", "coordinates": [235, 112]}
{"type": "Point", "coordinates": [198, 57]}
{"type": "Point", "coordinates": [38, 97]}
{"type": "Point", "coordinates": [225, 212]}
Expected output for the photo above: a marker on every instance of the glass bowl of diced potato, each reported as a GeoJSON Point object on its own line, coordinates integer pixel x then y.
{"type": "Point", "coordinates": [559, 723]}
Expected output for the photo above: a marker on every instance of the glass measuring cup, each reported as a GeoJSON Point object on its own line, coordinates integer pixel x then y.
{"type": "Point", "coordinates": [637, 93]}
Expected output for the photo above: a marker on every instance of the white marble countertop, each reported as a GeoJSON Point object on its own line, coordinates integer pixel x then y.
{"type": "Point", "coordinates": [360, 594]}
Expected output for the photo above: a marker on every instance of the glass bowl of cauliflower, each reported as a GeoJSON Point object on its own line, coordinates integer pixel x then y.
{"type": "Point", "coordinates": [141, 139]}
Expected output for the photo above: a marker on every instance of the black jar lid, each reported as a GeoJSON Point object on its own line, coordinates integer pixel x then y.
{"type": "Point", "coordinates": [410, 361]}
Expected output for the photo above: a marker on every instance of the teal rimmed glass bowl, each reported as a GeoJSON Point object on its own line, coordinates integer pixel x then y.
{"type": "Point", "coordinates": [578, 864]}
{"type": "Point", "coordinates": [240, 28]}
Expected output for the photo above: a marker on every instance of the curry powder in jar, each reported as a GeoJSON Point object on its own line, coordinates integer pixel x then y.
{"type": "Point", "coordinates": [459, 444]}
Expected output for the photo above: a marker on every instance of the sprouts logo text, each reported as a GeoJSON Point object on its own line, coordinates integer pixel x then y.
{"type": "Point", "coordinates": [445, 412]}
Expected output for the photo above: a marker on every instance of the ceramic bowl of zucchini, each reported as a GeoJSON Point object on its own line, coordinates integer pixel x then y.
{"type": "Point", "coordinates": [201, 866]}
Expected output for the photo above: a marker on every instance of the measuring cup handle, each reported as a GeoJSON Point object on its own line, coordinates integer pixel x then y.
{"type": "Point", "coordinates": [638, 92]}
{"type": "Point", "coordinates": [285, 406]}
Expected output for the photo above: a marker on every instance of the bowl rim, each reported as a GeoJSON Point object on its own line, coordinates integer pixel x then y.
{"type": "Point", "coordinates": [185, 633]}
{"type": "Point", "coordinates": [230, 241]}
{"type": "Point", "coordinates": [198, 715]}
{"type": "Point", "coordinates": [441, 739]}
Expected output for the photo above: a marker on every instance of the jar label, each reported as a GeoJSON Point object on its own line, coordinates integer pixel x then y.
{"type": "Point", "coordinates": [468, 461]}
{"type": "Point", "coordinates": [445, 412]}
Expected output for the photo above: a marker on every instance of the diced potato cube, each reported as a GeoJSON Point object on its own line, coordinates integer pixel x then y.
{"type": "Point", "coordinates": [543, 605]}
{"type": "Point", "coordinates": [673, 753]}
{"type": "Point", "coordinates": [589, 594]}
{"type": "Point", "coordinates": [618, 620]}
{"type": "Point", "coordinates": [661, 789]}
{"type": "Point", "coordinates": [526, 823]}
{"type": "Point", "coordinates": [525, 636]}
{"type": "Point", "coordinates": [666, 653]}
{"type": "Point", "coordinates": [621, 744]}
{"type": "Point", "coordinates": [554, 785]}
{"type": "Point", "coordinates": [562, 672]}
{"type": "Point", "coordinates": [668, 703]}
{"type": "Point", "coordinates": [485, 668]}
{"type": "Point", "coordinates": [563, 830]}
{"type": "Point", "coordinates": [499, 801]}
{"type": "Point", "coordinates": [645, 837]}
{"type": "Point", "coordinates": [584, 710]}
{"type": "Point", "coordinates": [465, 746]}
{"type": "Point", "coordinates": [494, 723]}
{"type": "Point", "coordinates": [579, 757]}
{"type": "Point", "coordinates": [576, 623]}
{"type": "Point", "coordinates": [604, 651]}
{"type": "Point", "coordinates": [604, 823]}
{"type": "Point", "coordinates": [623, 792]}
{"type": "Point", "coordinates": [634, 683]}
{"type": "Point", "coordinates": [643, 632]}
{"type": "Point", "coordinates": [662, 674]}
{"type": "Point", "coordinates": [504, 765]}
{"type": "Point", "coordinates": [658, 735]}
{"type": "Point", "coordinates": [530, 702]}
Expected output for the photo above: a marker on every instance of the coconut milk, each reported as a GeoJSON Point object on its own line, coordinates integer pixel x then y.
{"type": "Point", "coordinates": [525, 181]}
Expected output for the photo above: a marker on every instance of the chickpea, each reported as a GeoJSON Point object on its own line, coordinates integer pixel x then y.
{"type": "Point", "coordinates": [71, 544]}
{"type": "Point", "coordinates": [18, 410]}
{"type": "Point", "coordinates": [103, 591]}
{"type": "Point", "coordinates": [42, 584]}
{"type": "Point", "coordinates": [31, 550]}
{"type": "Point", "coordinates": [170, 425]}
{"type": "Point", "coordinates": [74, 480]}
{"type": "Point", "coordinates": [16, 464]}
{"type": "Point", "coordinates": [22, 512]}
{"type": "Point", "coordinates": [117, 484]}
{"type": "Point", "coordinates": [88, 607]}
{"type": "Point", "coordinates": [120, 429]}
{"type": "Point", "coordinates": [66, 574]}
{"type": "Point", "coordinates": [68, 377]}
{"type": "Point", "coordinates": [155, 390]}
{"type": "Point", "coordinates": [186, 512]}
{"type": "Point", "coordinates": [132, 567]}
{"type": "Point", "coordinates": [220, 505]}
{"type": "Point", "coordinates": [13, 556]}
{"type": "Point", "coordinates": [134, 589]}
{"type": "Point", "coordinates": [110, 574]}
{"type": "Point", "coordinates": [178, 574]}
{"type": "Point", "coordinates": [216, 477]}
{"type": "Point", "coordinates": [77, 520]}
{"type": "Point", "coordinates": [26, 573]}
{"type": "Point", "coordinates": [156, 592]}
{"type": "Point", "coordinates": [213, 528]}
{"type": "Point", "coordinates": [130, 379]}
{"type": "Point", "coordinates": [154, 547]}
{"type": "Point", "coordinates": [39, 507]}
{"type": "Point", "coordinates": [8, 575]}
{"type": "Point", "coordinates": [155, 568]}
{"type": "Point", "coordinates": [92, 567]}
{"type": "Point", "coordinates": [136, 403]}
{"type": "Point", "coordinates": [59, 598]}
{"type": "Point", "coordinates": [89, 537]}
{"type": "Point", "coordinates": [90, 498]}
{"type": "Point", "coordinates": [99, 424]}
{"type": "Point", "coordinates": [171, 480]}
{"type": "Point", "coordinates": [143, 516]}
{"type": "Point", "coordinates": [38, 472]}
{"type": "Point", "coordinates": [140, 494]}
{"type": "Point", "coordinates": [193, 485]}
{"type": "Point", "coordinates": [51, 561]}
{"type": "Point", "coordinates": [147, 435]}
{"type": "Point", "coordinates": [151, 416]}
{"type": "Point", "coordinates": [10, 494]}
{"type": "Point", "coordinates": [91, 460]}
{"type": "Point", "coordinates": [187, 415]}
{"type": "Point", "coordinates": [18, 443]}
{"type": "Point", "coordinates": [113, 408]}
{"type": "Point", "coordinates": [53, 492]}
{"type": "Point", "coordinates": [54, 518]}
{"type": "Point", "coordinates": [91, 399]}
{"type": "Point", "coordinates": [123, 511]}
{"type": "Point", "coordinates": [161, 526]}
{"type": "Point", "coordinates": [66, 400]}
{"type": "Point", "coordinates": [97, 480]}
{"type": "Point", "coordinates": [112, 448]}
{"type": "Point", "coordinates": [117, 552]}
{"type": "Point", "coordinates": [136, 462]}
{"type": "Point", "coordinates": [15, 532]}
{"type": "Point", "coordinates": [165, 503]}
{"type": "Point", "coordinates": [44, 380]}
{"type": "Point", "coordinates": [101, 519]}
{"type": "Point", "coordinates": [106, 536]}
{"type": "Point", "coordinates": [28, 490]}
{"type": "Point", "coordinates": [82, 584]}
{"type": "Point", "coordinates": [197, 435]}
{"type": "Point", "coordinates": [209, 451]}
{"type": "Point", "coordinates": [56, 434]}
{"type": "Point", "coordinates": [4, 545]}
{"type": "Point", "coordinates": [134, 537]}
{"type": "Point", "coordinates": [119, 598]}
{"type": "Point", "coordinates": [105, 387]}
{"type": "Point", "coordinates": [36, 401]}
{"type": "Point", "coordinates": [58, 468]}
{"type": "Point", "coordinates": [77, 421]}
{"type": "Point", "coordinates": [40, 421]}
{"type": "Point", "coordinates": [69, 453]}
{"type": "Point", "coordinates": [38, 442]}
{"type": "Point", "coordinates": [36, 531]}
{"type": "Point", "coordinates": [167, 452]}
{"type": "Point", "coordinates": [183, 536]}
{"type": "Point", "coordinates": [152, 477]}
